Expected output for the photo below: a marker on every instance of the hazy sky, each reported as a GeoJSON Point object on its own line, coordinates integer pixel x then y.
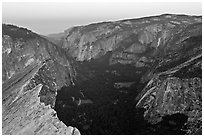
{"type": "Point", "coordinates": [46, 18]}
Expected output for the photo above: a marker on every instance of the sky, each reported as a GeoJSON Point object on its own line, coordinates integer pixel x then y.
{"type": "Point", "coordinates": [52, 17]}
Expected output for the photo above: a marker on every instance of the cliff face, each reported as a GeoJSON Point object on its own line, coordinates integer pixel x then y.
{"type": "Point", "coordinates": [176, 91]}
{"type": "Point", "coordinates": [131, 40]}
{"type": "Point", "coordinates": [33, 69]}
{"type": "Point", "coordinates": [24, 50]}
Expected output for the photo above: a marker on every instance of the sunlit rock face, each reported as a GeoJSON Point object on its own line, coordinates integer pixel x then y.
{"type": "Point", "coordinates": [26, 115]}
{"type": "Point", "coordinates": [30, 61]}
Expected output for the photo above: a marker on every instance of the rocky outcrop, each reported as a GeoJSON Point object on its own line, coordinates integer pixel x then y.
{"type": "Point", "coordinates": [33, 70]}
{"type": "Point", "coordinates": [176, 91]}
{"type": "Point", "coordinates": [25, 114]}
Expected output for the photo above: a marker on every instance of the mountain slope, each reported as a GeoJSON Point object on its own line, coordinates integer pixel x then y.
{"type": "Point", "coordinates": [33, 70]}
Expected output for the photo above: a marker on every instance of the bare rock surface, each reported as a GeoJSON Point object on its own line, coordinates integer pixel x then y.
{"type": "Point", "coordinates": [172, 92]}
{"type": "Point", "coordinates": [24, 113]}
{"type": "Point", "coordinates": [129, 39]}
